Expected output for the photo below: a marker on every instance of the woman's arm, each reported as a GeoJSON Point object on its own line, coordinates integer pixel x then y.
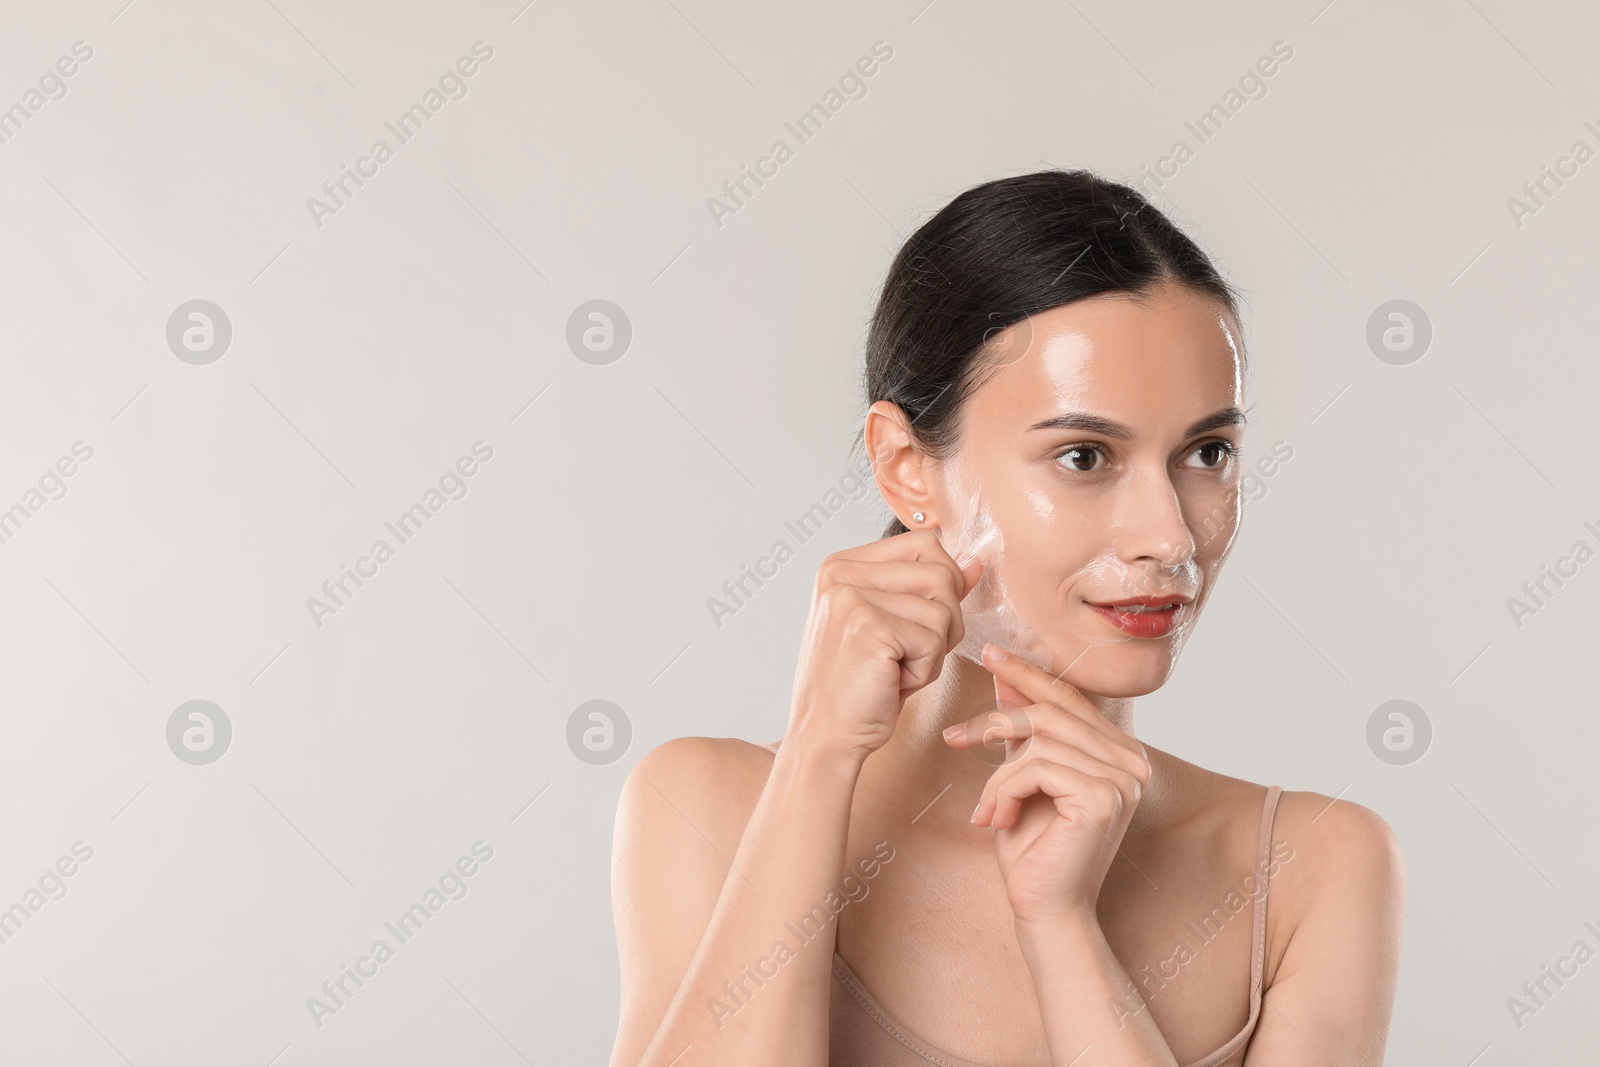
{"type": "Point", "coordinates": [719, 966]}
{"type": "Point", "coordinates": [713, 971]}
{"type": "Point", "coordinates": [1333, 994]}
{"type": "Point", "coordinates": [1074, 972]}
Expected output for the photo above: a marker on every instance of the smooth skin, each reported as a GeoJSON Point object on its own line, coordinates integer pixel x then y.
{"type": "Point", "coordinates": [1027, 894]}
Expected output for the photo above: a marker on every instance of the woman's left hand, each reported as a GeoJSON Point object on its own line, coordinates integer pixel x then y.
{"type": "Point", "coordinates": [1063, 798]}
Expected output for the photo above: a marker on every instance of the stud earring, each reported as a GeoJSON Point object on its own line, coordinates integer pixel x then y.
{"type": "Point", "coordinates": [916, 516]}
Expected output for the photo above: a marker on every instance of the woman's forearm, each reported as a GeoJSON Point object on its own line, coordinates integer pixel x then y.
{"type": "Point", "coordinates": [1088, 1002]}
{"type": "Point", "coordinates": [756, 990]}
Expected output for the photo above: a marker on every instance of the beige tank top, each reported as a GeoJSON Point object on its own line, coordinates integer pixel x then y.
{"type": "Point", "coordinates": [862, 1034]}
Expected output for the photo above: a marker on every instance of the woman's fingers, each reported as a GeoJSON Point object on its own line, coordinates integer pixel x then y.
{"type": "Point", "coordinates": [922, 577]}
{"type": "Point", "coordinates": [933, 615]}
{"type": "Point", "coordinates": [883, 617]}
{"type": "Point", "coordinates": [928, 579]}
{"type": "Point", "coordinates": [1051, 722]}
{"type": "Point", "coordinates": [1042, 688]}
{"type": "Point", "coordinates": [924, 628]}
{"type": "Point", "coordinates": [1009, 695]}
{"type": "Point", "coordinates": [1101, 797]}
{"type": "Point", "coordinates": [921, 546]}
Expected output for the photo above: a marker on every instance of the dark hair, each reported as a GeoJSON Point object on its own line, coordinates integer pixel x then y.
{"type": "Point", "coordinates": [994, 255]}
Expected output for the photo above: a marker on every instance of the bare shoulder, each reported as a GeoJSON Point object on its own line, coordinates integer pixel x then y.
{"type": "Point", "coordinates": [711, 785]}
{"type": "Point", "coordinates": [1331, 864]}
{"type": "Point", "coordinates": [1328, 840]}
{"type": "Point", "coordinates": [1331, 887]}
{"type": "Point", "coordinates": [1338, 889]}
{"type": "Point", "coordinates": [1338, 847]}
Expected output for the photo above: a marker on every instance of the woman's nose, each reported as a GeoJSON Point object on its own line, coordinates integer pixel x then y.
{"type": "Point", "coordinates": [1151, 524]}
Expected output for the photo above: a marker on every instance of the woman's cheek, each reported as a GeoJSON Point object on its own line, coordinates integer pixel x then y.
{"type": "Point", "coordinates": [1213, 520]}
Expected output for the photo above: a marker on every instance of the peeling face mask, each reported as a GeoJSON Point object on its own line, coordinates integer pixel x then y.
{"type": "Point", "coordinates": [989, 612]}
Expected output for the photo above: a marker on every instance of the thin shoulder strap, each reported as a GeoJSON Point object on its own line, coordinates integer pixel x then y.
{"type": "Point", "coordinates": [770, 748]}
{"type": "Point", "coordinates": [1258, 951]}
{"type": "Point", "coordinates": [1269, 811]}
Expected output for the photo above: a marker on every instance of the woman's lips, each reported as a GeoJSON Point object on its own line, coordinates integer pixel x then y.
{"type": "Point", "coordinates": [1143, 616]}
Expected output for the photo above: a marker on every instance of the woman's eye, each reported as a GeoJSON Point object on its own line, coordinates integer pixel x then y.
{"type": "Point", "coordinates": [1216, 453]}
{"type": "Point", "coordinates": [1080, 457]}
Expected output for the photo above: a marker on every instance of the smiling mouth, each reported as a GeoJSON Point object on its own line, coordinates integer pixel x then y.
{"type": "Point", "coordinates": [1144, 616]}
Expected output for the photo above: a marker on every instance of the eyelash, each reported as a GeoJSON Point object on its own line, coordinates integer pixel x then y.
{"type": "Point", "coordinates": [1228, 450]}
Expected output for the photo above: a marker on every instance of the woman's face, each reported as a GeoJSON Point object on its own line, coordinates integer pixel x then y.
{"type": "Point", "coordinates": [1105, 444]}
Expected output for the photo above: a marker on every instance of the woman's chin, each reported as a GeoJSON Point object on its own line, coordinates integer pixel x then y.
{"type": "Point", "coordinates": [1116, 685]}
{"type": "Point", "coordinates": [1119, 669]}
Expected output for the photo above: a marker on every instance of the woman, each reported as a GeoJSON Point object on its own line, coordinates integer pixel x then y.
{"type": "Point", "coordinates": [1056, 383]}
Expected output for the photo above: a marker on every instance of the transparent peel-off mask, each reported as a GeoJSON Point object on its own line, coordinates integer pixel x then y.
{"type": "Point", "coordinates": [987, 611]}
{"type": "Point", "coordinates": [989, 614]}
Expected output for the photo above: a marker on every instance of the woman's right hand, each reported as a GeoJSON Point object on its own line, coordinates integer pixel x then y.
{"type": "Point", "coordinates": [883, 618]}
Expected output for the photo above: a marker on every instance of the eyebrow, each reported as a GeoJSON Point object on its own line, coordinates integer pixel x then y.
{"type": "Point", "coordinates": [1083, 421]}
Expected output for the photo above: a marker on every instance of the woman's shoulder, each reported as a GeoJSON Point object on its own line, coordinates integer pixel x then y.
{"type": "Point", "coordinates": [696, 756]}
{"type": "Point", "coordinates": [1327, 833]}
{"type": "Point", "coordinates": [711, 783]}
{"type": "Point", "coordinates": [701, 751]}
{"type": "Point", "coordinates": [1335, 851]}
{"type": "Point", "coordinates": [1327, 823]}
{"type": "Point", "coordinates": [1329, 861]}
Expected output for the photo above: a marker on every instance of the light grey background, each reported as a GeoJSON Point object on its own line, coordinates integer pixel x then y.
{"type": "Point", "coordinates": [431, 312]}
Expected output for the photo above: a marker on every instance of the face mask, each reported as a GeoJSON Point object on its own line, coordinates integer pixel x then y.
{"type": "Point", "coordinates": [987, 611]}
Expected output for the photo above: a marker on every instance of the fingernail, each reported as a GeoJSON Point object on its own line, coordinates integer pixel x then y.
{"type": "Point", "coordinates": [953, 732]}
{"type": "Point", "coordinates": [996, 651]}
{"type": "Point", "coordinates": [973, 818]}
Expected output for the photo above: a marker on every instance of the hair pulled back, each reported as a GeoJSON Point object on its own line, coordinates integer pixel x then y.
{"type": "Point", "coordinates": [994, 255]}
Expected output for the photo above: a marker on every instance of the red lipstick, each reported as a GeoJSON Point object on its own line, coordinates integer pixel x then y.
{"type": "Point", "coordinates": [1143, 616]}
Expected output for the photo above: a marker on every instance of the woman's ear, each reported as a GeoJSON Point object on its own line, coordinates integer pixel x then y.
{"type": "Point", "coordinates": [901, 469]}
